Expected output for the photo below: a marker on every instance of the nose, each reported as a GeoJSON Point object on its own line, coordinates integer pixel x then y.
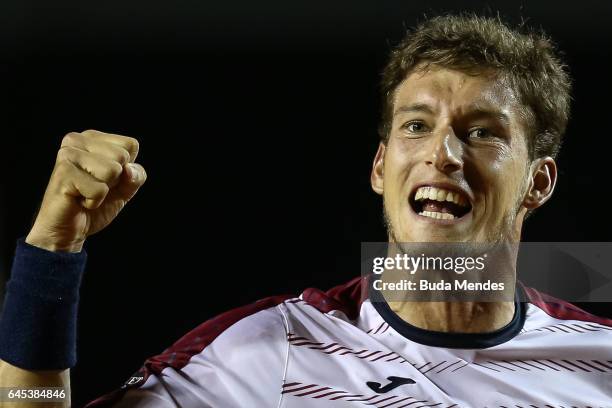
{"type": "Point", "coordinates": [446, 152]}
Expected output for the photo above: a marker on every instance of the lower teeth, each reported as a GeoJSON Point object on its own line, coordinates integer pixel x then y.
{"type": "Point", "coordinates": [437, 215]}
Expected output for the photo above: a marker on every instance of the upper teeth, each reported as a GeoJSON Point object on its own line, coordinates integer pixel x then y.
{"type": "Point", "coordinates": [440, 194]}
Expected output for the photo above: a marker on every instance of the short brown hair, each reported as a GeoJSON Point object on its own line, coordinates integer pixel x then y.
{"type": "Point", "coordinates": [528, 60]}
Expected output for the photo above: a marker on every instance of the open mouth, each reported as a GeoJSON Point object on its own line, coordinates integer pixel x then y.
{"type": "Point", "coordinates": [439, 203]}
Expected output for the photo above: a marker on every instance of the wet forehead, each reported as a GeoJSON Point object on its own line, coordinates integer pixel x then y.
{"type": "Point", "coordinates": [454, 92]}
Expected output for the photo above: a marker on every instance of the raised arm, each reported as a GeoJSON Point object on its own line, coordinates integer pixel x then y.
{"type": "Point", "coordinates": [94, 177]}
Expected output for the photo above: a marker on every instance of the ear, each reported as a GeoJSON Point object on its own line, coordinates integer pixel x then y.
{"type": "Point", "coordinates": [378, 169]}
{"type": "Point", "coordinates": [543, 177]}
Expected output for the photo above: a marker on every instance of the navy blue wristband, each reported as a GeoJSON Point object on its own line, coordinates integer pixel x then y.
{"type": "Point", "coordinates": [38, 323]}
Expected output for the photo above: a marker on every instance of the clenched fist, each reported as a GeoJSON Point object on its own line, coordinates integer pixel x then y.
{"type": "Point", "coordinates": [94, 176]}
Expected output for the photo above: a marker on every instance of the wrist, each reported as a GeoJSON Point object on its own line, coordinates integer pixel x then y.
{"type": "Point", "coordinates": [49, 242]}
{"type": "Point", "coordinates": [38, 325]}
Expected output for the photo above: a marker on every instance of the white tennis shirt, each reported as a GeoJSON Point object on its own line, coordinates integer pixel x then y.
{"type": "Point", "coordinates": [339, 349]}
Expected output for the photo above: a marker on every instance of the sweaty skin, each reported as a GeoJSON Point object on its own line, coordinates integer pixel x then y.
{"type": "Point", "coordinates": [467, 133]}
{"type": "Point", "coordinates": [94, 177]}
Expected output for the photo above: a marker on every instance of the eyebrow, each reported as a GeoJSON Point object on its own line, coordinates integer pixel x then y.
{"type": "Point", "coordinates": [479, 110]}
{"type": "Point", "coordinates": [474, 110]}
{"type": "Point", "coordinates": [415, 107]}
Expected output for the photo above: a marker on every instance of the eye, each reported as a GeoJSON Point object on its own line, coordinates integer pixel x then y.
{"type": "Point", "coordinates": [415, 127]}
{"type": "Point", "coordinates": [480, 133]}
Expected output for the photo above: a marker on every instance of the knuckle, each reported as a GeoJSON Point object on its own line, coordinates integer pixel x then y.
{"type": "Point", "coordinates": [133, 143]}
{"type": "Point", "coordinates": [63, 168]}
{"type": "Point", "coordinates": [63, 154]}
{"type": "Point", "coordinates": [105, 174]}
{"type": "Point", "coordinates": [122, 156]}
{"type": "Point", "coordinates": [113, 170]}
{"type": "Point", "coordinates": [63, 177]}
{"type": "Point", "coordinates": [89, 132]}
{"type": "Point", "coordinates": [95, 190]}
{"type": "Point", "coordinates": [101, 191]}
{"type": "Point", "coordinates": [70, 138]}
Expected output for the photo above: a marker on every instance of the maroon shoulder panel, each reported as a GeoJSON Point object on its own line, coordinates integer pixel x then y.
{"type": "Point", "coordinates": [347, 297]}
{"type": "Point", "coordinates": [178, 355]}
{"type": "Point", "coordinates": [560, 309]}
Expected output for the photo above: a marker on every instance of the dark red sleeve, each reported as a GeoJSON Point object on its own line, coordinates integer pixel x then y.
{"type": "Point", "coordinates": [560, 309]}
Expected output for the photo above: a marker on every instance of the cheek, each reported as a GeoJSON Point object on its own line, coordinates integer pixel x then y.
{"type": "Point", "coordinates": [392, 166]}
{"type": "Point", "coordinates": [496, 180]}
{"type": "Point", "coordinates": [401, 154]}
{"type": "Point", "coordinates": [396, 170]}
{"type": "Point", "coordinates": [392, 184]}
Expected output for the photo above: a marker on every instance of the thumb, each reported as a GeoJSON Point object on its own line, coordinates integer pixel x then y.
{"type": "Point", "coordinates": [132, 178]}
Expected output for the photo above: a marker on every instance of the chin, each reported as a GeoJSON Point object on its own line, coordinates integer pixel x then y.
{"type": "Point", "coordinates": [434, 238]}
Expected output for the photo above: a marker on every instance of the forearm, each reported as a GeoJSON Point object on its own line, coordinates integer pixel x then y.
{"type": "Point", "coordinates": [20, 379]}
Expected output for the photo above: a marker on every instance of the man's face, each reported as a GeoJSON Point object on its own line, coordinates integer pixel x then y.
{"type": "Point", "coordinates": [455, 167]}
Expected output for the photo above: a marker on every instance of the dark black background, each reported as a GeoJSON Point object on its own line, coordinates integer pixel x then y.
{"type": "Point", "coordinates": [257, 124]}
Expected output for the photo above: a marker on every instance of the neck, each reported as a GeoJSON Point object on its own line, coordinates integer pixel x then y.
{"type": "Point", "coordinates": [465, 317]}
{"type": "Point", "coordinates": [456, 317]}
